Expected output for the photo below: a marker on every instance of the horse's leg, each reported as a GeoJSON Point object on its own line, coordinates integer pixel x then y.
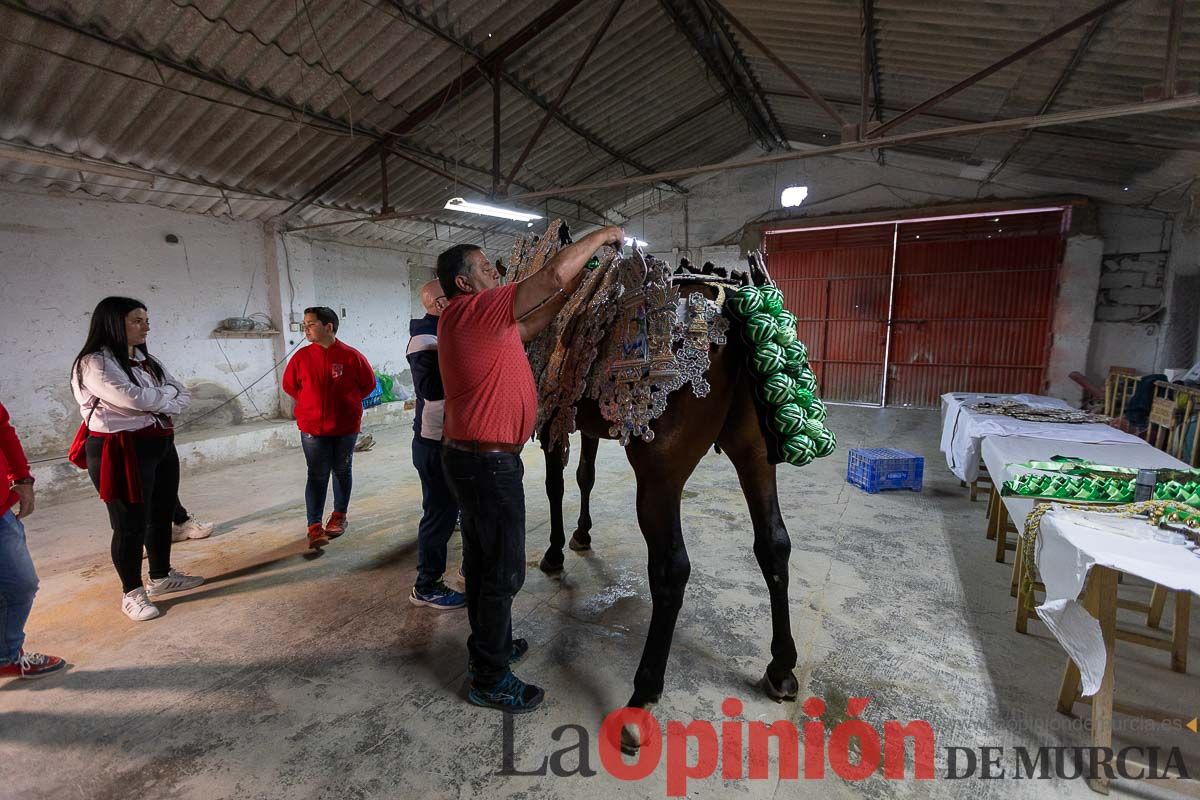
{"type": "Point", "coordinates": [662, 470]}
{"type": "Point", "coordinates": [586, 476]}
{"type": "Point", "coordinates": [742, 440]}
{"type": "Point", "coordinates": [552, 561]}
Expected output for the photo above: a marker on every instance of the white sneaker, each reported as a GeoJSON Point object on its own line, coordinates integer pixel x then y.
{"type": "Point", "coordinates": [137, 605]}
{"type": "Point", "coordinates": [192, 528]}
{"type": "Point", "coordinates": [174, 582]}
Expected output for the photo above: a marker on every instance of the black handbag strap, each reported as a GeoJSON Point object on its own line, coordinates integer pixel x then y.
{"type": "Point", "coordinates": [92, 413]}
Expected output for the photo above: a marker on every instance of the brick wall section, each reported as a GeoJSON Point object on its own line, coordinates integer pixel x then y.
{"type": "Point", "coordinates": [1131, 286]}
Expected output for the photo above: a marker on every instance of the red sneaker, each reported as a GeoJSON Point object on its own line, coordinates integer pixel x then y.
{"type": "Point", "coordinates": [316, 536]}
{"type": "Point", "coordinates": [32, 665]}
{"type": "Point", "coordinates": [336, 525]}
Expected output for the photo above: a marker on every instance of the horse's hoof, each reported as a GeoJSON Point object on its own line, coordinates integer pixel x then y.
{"type": "Point", "coordinates": [579, 545]}
{"type": "Point", "coordinates": [630, 741]}
{"type": "Point", "coordinates": [785, 690]}
{"type": "Point", "coordinates": [551, 565]}
{"type": "Point", "coordinates": [631, 735]}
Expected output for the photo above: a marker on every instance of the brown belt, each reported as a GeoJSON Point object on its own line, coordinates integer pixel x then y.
{"type": "Point", "coordinates": [483, 447]}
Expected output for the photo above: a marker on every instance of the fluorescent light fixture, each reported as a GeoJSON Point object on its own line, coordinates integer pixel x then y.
{"type": "Point", "coordinates": [459, 204]}
{"type": "Point", "coordinates": [793, 196]}
{"type": "Point", "coordinates": [631, 242]}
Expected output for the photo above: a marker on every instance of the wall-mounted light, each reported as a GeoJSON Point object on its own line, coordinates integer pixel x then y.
{"type": "Point", "coordinates": [793, 196]}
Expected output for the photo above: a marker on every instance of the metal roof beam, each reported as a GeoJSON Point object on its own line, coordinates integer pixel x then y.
{"type": "Point", "coordinates": [562, 94]}
{"type": "Point", "coordinates": [780, 64]}
{"type": "Point", "coordinates": [1054, 35]}
{"type": "Point", "coordinates": [530, 93]}
{"type": "Point", "coordinates": [453, 90]}
{"type": "Point", "coordinates": [1063, 77]}
{"type": "Point", "coordinates": [700, 35]}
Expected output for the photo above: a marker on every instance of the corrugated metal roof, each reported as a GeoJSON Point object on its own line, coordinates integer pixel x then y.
{"type": "Point", "coordinates": [258, 113]}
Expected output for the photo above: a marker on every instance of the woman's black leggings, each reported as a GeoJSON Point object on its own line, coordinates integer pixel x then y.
{"type": "Point", "coordinates": [148, 523]}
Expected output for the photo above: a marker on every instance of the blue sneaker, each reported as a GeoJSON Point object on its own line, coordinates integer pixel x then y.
{"type": "Point", "coordinates": [510, 694]}
{"type": "Point", "coordinates": [441, 597]}
{"type": "Point", "coordinates": [519, 648]}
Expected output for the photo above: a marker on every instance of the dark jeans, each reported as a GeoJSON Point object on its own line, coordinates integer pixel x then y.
{"type": "Point", "coordinates": [440, 512]}
{"type": "Point", "coordinates": [326, 454]}
{"type": "Point", "coordinates": [181, 514]}
{"type": "Point", "coordinates": [489, 492]}
{"type": "Point", "coordinates": [148, 523]}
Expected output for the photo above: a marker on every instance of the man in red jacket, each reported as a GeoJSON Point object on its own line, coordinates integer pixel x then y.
{"type": "Point", "coordinates": [18, 580]}
{"type": "Point", "coordinates": [328, 380]}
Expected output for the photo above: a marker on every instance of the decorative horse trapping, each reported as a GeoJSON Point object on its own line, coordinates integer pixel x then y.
{"type": "Point", "coordinates": [627, 339]}
{"type": "Point", "coordinates": [785, 383]}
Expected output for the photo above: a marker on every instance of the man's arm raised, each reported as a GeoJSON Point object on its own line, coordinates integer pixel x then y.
{"type": "Point", "coordinates": [541, 295]}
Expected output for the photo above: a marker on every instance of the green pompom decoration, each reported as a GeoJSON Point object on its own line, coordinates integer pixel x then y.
{"type": "Point", "coordinates": [813, 428]}
{"type": "Point", "coordinates": [745, 302]}
{"type": "Point", "coordinates": [760, 328]}
{"type": "Point", "coordinates": [803, 398]}
{"type": "Point", "coordinates": [796, 353]}
{"type": "Point", "coordinates": [799, 450]}
{"type": "Point", "coordinates": [825, 444]}
{"type": "Point", "coordinates": [778, 389]}
{"type": "Point", "coordinates": [817, 410]}
{"type": "Point", "coordinates": [768, 359]}
{"type": "Point", "coordinates": [806, 380]}
{"type": "Point", "coordinates": [772, 299]}
{"type": "Point", "coordinates": [788, 419]}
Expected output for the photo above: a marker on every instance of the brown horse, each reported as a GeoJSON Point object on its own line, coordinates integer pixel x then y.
{"type": "Point", "coordinates": [727, 418]}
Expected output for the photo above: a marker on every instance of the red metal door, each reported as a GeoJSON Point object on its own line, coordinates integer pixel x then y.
{"type": "Point", "coordinates": [973, 306]}
{"type": "Point", "coordinates": [836, 281]}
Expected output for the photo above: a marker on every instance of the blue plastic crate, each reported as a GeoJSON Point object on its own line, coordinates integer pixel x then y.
{"type": "Point", "coordinates": [877, 469]}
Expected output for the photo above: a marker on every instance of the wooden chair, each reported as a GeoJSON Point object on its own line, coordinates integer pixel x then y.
{"type": "Point", "coordinates": [1174, 414]}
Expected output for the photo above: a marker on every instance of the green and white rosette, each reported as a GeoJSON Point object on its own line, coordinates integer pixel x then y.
{"type": "Point", "coordinates": [784, 382]}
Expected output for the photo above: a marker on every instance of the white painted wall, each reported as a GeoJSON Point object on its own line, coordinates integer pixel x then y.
{"type": "Point", "coordinates": [371, 285]}
{"type": "Point", "coordinates": [60, 255]}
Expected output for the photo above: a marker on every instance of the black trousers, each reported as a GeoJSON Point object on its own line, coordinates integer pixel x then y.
{"type": "Point", "coordinates": [439, 513]}
{"type": "Point", "coordinates": [489, 493]}
{"type": "Point", "coordinates": [146, 524]}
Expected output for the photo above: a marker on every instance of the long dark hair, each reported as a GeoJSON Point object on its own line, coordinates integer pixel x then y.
{"type": "Point", "coordinates": [107, 329]}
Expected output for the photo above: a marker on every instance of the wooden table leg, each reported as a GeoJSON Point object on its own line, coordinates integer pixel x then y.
{"type": "Point", "coordinates": [1015, 586]}
{"type": "Point", "coordinates": [1158, 599]}
{"type": "Point", "coordinates": [974, 489]}
{"type": "Point", "coordinates": [1001, 532]}
{"type": "Point", "coordinates": [1102, 702]}
{"type": "Point", "coordinates": [1179, 633]}
{"type": "Point", "coordinates": [1024, 593]}
{"type": "Point", "coordinates": [993, 517]}
{"type": "Point", "coordinates": [992, 497]}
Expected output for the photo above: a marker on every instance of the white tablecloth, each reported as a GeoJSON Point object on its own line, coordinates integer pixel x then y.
{"type": "Point", "coordinates": [963, 431]}
{"type": "Point", "coordinates": [1069, 543]}
{"type": "Point", "coordinates": [1000, 451]}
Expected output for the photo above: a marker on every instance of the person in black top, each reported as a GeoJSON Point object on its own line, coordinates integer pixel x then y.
{"type": "Point", "coordinates": [437, 500]}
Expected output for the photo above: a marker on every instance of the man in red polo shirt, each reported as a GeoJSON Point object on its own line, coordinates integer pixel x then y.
{"type": "Point", "coordinates": [491, 403]}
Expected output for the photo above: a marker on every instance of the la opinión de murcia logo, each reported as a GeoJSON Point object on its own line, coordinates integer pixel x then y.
{"type": "Point", "coordinates": [853, 750]}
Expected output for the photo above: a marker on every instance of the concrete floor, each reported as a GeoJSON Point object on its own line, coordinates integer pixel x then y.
{"type": "Point", "coordinates": [294, 676]}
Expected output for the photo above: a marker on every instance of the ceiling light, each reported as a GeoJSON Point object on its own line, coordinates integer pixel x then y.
{"type": "Point", "coordinates": [1125, 189]}
{"type": "Point", "coordinates": [793, 196]}
{"type": "Point", "coordinates": [459, 204]}
{"type": "Point", "coordinates": [631, 242]}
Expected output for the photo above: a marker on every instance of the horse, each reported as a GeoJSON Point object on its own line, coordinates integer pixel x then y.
{"type": "Point", "coordinates": [727, 419]}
